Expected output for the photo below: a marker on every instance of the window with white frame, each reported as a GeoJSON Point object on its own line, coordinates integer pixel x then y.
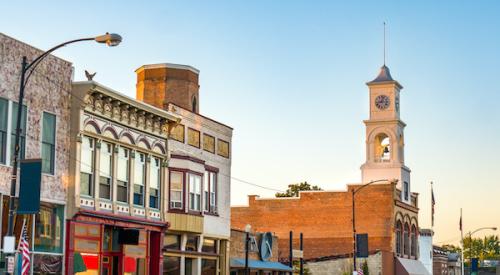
{"type": "Point", "coordinates": [206, 193]}
{"type": "Point", "coordinates": [87, 166]}
{"type": "Point", "coordinates": [210, 192]}
{"type": "Point", "coordinates": [139, 178]}
{"type": "Point", "coordinates": [22, 133]}
{"type": "Point", "coordinates": [105, 170]}
{"type": "Point", "coordinates": [176, 190]}
{"type": "Point", "coordinates": [194, 192]}
{"type": "Point", "coordinates": [48, 143]}
{"type": "Point", "coordinates": [154, 183]}
{"type": "Point", "coordinates": [122, 174]}
{"type": "Point", "coordinates": [4, 110]}
{"type": "Point", "coordinates": [213, 192]}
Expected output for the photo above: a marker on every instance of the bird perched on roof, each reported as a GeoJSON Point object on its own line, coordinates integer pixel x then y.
{"type": "Point", "coordinates": [89, 75]}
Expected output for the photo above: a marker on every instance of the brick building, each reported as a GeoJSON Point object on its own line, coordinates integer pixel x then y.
{"type": "Point", "coordinates": [44, 134]}
{"type": "Point", "coordinates": [386, 210]}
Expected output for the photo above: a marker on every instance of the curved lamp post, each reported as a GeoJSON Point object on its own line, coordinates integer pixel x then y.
{"type": "Point", "coordinates": [354, 192]}
{"type": "Point", "coordinates": [27, 69]}
{"type": "Point", "coordinates": [470, 243]}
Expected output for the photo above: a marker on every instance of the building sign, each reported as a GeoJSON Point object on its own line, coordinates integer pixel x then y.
{"type": "Point", "coordinates": [29, 190]}
{"type": "Point", "coordinates": [266, 246]}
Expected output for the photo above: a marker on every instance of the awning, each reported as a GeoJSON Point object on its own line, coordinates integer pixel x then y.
{"type": "Point", "coordinates": [410, 267]}
{"type": "Point", "coordinates": [259, 265]}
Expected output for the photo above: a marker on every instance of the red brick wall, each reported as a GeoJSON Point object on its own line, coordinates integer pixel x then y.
{"type": "Point", "coordinates": [160, 86]}
{"type": "Point", "coordinates": [325, 218]}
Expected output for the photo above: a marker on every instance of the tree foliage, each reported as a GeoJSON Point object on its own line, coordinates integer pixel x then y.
{"type": "Point", "coordinates": [487, 248]}
{"type": "Point", "coordinates": [293, 189]}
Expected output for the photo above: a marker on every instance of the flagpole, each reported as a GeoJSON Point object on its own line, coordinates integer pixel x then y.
{"type": "Point", "coordinates": [463, 247]}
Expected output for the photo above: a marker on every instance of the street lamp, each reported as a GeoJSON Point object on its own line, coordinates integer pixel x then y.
{"type": "Point", "coordinates": [247, 243]}
{"type": "Point", "coordinates": [470, 243]}
{"type": "Point", "coordinates": [110, 39]}
{"type": "Point", "coordinates": [354, 191]}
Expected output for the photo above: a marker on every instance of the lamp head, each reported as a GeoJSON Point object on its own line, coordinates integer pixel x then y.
{"type": "Point", "coordinates": [494, 228]}
{"type": "Point", "coordinates": [248, 228]}
{"type": "Point", "coordinates": [111, 39]}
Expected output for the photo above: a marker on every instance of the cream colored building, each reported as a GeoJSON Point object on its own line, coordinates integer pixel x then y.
{"type": "Point", "coordinates": [197, 241]}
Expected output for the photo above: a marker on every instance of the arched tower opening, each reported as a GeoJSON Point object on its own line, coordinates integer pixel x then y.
{"type": "Point", "coordinates": [382, 148]}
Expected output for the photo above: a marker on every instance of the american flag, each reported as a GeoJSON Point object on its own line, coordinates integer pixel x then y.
{"type": "Point", "coordinates": [24, 249]}
{"type": "Point", "coordinates": [360, 271]}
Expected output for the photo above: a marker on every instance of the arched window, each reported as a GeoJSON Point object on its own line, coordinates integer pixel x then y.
{"type": "Point", "coordinates": [406, 239]}
{"type": "Point", "coordinates": [382, 148]}
{"type": "Point", "coordinates": [399, 238]}
{"type": "Point", "coordinates": [413, 241]}
{"type": "Point", "coordinates": [194, 104]}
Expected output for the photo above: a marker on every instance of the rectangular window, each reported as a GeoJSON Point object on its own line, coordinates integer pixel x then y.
{"type": "Point", "coordinates": [48, 143]}
{"type": "Point", "coordinates": [213, 192]}
{"type": "Point", "coordinates": [223, 148]}
{"type": "Point", "coordinates": [154, 183]}
{"type": "Point", "coordinates": [208, 143]}
{"type": "Point", "coordinates": [176, 190]}
{"type": "Point", "coordinates": [122, 175]}
{"type": "Point", "coordinates": [192, 243]}
{"type": "Point", "coordinates": [406, 190]}
{"type": "Point", "coordinates": [4, 109]}
{"type": "Point", "coordinates": [87, 166]}
{"type": "Point", "coordinates": [105, 169]}
{"type": "Point", "coordinates": [49, 229]}
{"type": "Point", "coordinates": [206, 193]}
{"type": "Point", "coordinates": [177, 133]}
{"type": "Point", "coordinates": [22, 133]}
{"type": "Point", "coordinates": [139, 179]}
{"type": "Point", "coordinates": [172, 241]}
{"type": "Point", "coordinates": [209, 246]}
{"type": "Point", "coordinates": [171, 265]}
{"type": "Point", "coordinates": [194, 137]}
{"type": "Point", "coordinates": [194, 192]}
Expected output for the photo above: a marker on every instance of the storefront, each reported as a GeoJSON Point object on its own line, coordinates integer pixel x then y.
{"type": "Point", "coordinates": [109, 244]}
{"type": "Point", "coordinates": [45, 233]}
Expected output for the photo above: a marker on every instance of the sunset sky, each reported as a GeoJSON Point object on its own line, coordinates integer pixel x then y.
{"type": "Point", "coordinates": [290, 76]}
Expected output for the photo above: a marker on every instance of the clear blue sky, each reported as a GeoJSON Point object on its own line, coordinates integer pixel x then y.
{"type": "Point", "coordinates": [289, 77]}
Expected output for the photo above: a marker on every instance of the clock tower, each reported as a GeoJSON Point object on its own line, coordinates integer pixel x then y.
{"type": "Point", "coordinates": [385, 134]}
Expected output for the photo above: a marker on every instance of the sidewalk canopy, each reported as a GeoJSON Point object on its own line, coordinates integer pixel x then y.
{"type": "Point", "coordinates": [410, 267]}
{"type": "Point", "coordinates": [259, 265]}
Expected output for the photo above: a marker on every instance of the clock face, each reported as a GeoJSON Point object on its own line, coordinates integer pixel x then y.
{"type": "Point", "coordinates": [382, 102]}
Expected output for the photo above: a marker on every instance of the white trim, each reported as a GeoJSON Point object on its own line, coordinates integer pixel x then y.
{"type": "Point", "coordinates": [169, 65]}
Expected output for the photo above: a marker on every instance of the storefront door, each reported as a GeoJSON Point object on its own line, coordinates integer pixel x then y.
{"type": "Point", "coordinates": [111, 264]}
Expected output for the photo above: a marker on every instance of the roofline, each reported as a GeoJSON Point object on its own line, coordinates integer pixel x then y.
{"type": "Point", "coordinates": [168, 65]}
{"type": "Point", "coordinates": [38, 49]}
{"type": "Point", "coordinates": [157, 111]}
{"type": "Point", "coordinates": [213, 120]}
{"type": "Point", "coordinates": [372, 83]}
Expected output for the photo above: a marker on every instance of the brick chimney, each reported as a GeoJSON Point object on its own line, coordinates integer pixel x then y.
{"type": "Point", "coordinates": [160, 84]}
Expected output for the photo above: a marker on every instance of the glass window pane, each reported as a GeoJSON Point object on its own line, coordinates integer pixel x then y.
{"type": "Point", "coordinates": [49, 228]}
{"type": "Point", "coordinates": [105, 162]}
{"type": "Point", "coordinates": [155, 174]}
{"type": "Point", "coordinates": [4, 105]}
{"type": "Point", "coordinates": [122, 173]}
{"type": "Point", "coordinates": [49, 128]}
{"type": "Point", "coordinates": [87, 156]}
{"type": "Point", "coordinates": [171, 265]}
{"type": "Point", "coordinates": [22, 136]}
{"type": "Point", "coordinates": [47, 158]}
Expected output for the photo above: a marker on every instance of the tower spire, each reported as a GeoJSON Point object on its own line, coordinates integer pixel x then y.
{"type": "Point", "coordinates": [384, 43]}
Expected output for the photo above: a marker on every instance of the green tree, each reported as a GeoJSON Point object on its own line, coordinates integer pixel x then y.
{"type": "Point", "coordinates": [484, 249]}
{"type": "Point", "coordinates": [365, 268]}
{"type": "Point", "coordinates": [293, 189]}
